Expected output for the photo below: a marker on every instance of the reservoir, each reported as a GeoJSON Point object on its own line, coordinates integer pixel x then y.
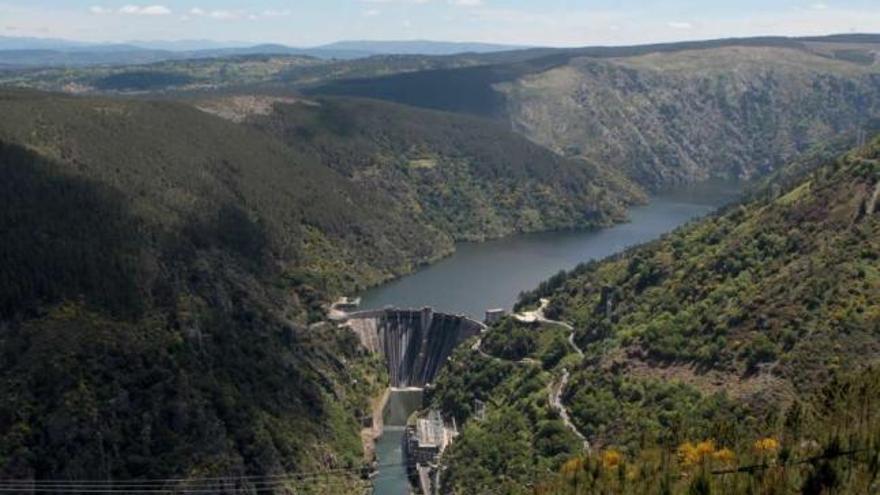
{"type": "Point", "coordinates": [479, 276]}
{"type": "Point", "coordinates": [491, 274]}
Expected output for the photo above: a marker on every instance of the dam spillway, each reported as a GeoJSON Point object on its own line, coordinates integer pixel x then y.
{"type": "Point", "coordinates": [415, 343]}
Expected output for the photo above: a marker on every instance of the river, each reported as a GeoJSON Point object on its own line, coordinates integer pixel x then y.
{"type": "Point", "coordinates": [491, 274]}
{"type": "Point", "coordinates": [391, 479]}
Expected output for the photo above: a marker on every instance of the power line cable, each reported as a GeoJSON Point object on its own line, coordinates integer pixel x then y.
{"type": "Point", "coordinates": [191, 485]}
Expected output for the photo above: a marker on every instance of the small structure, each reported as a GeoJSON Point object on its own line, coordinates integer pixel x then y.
{"type": "Point", "coordinates": [346, 303]}
{"type": "Point", "coordinates": [479, 410]}
{"type": "Point", "coordinates": [606, 303]}
{"type": "Point", "coordinates": [424, 442]}
{"type": "Point", "coordinates": [494, 315]}
{"type": "Point", "coordinates": [340, 309]}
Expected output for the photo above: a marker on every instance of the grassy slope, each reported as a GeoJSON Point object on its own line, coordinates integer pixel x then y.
{"type": "Point", "coordinates": [723, 329]}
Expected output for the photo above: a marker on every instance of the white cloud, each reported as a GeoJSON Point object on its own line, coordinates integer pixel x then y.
{"type": "Point", "coordinates": [223, 15]}
{"type": "Point", "coordinates": [99, 10]}
{"type": "Point", "coordinates": [144, 10]}
{"type": "Point", "coordinates": [372, 12]}
{"type": "Point", "coordinates": [680, 25]}
{"type": "Point", "coordinates": [819, 6]}
{"type": "Point", "coordinates": [467, 3]}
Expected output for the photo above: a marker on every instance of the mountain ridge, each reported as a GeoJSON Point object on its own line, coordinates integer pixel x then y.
{"type": "Point", "coordinates": [734, 107]}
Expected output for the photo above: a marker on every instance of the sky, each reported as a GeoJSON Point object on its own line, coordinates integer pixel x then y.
{"type": "Point", "coordinates": [522, 22]}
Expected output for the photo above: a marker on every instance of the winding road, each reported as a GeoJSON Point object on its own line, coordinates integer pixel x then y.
{"type": "Point", "coordinates": [557, 387]}
{"type": "Point", "coordinates": [556, 390]}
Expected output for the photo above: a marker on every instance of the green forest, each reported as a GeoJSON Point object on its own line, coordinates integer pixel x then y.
{"type": "Point", "coordinates": [166, 272]}
{"type": "Point", "coordinates": [757, 324]}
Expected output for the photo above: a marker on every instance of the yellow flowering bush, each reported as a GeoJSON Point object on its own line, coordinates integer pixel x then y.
{"type": "Point", "coordinates": [695, 454]}
{"type": "Point", "coordinates": [572, 467]}
{"type": "Point", "coordinates": [687, 454]}
{"type": "Point", "coordinates": [705, 448]}
{"type": "Point", "coordinates": [611, 459]}
{"type": "Point", "coordinates": [767, 446]}
{"type": "Point", "coordinates": [724, 456]}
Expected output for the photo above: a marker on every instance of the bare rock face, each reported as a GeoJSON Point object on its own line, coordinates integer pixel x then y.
{"type": "Point", "coordinates": [676, 117]}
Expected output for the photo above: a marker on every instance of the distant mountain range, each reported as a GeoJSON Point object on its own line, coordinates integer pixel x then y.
{"type": "Point", "coordinates": [21, 52]}
{"type": "Point", "coordinates": [418, 47]}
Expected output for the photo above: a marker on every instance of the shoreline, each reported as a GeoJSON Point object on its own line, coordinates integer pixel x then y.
{"type": "Point", "coordinates": [372, 433]}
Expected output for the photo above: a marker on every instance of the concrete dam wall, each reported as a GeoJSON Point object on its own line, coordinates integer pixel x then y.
{"type": "Point", "coordinates": [414, 343]}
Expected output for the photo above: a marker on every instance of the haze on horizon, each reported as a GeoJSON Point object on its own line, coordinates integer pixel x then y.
{"type": "Point", "coordinates": [520, 22]}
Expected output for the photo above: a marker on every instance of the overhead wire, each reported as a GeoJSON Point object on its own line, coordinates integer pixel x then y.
{"type": "Point", "coordinates": [229, 484]}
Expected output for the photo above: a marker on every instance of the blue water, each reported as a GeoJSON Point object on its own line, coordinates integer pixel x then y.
{"type": "Point", "coordinates": [487, 275]}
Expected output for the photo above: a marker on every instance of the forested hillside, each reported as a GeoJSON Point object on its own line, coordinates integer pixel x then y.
{"type": "Point", "coordinates": [727, 330]}
{"type": "Point", "coordinates": [660, 114]}
{"type": "Point", "coordinates": [155, 295]}
{"type": "Point", "coordinates": [664, 113]}
{"type": "Point", "coordinates": [163, 269]}
{"type": "Point", "coordinates": [464, 176]}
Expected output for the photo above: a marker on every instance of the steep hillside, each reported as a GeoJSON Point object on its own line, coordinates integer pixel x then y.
{"type": "Point", "coordinates": [664, 113]}
{"type": "Point", "coordinates": [464, 176]}
{"type": "Point", "coordinates": [165, 273]}
{"type": "Point", "coordinates": [672, 117]}
{"type": "Point", "coordinates": [151, 322]}
{"type": "Point", "coordinates": [181, 168]}
{"type": "Point", "coordinates": [724, 329]}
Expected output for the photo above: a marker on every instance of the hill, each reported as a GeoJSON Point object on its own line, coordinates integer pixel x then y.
{"type": "Point", "coordinates": [464, 176]}
{"type": "Point", "coordinates": [166, 273]}
{"type": "Point", "coordinates": [161, 269]}
{"type": "Point", "coordinates": [262, 69]}
{"type": "Point", "coordinates": [728, 329]}
{"type": "Point", "coordinates": [22, 52]}
{"type": "Point", "coordinates": [663, 113]}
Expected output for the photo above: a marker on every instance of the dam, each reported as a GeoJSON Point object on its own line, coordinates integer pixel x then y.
{"type": "Point", "coordinates": [415, 343]}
